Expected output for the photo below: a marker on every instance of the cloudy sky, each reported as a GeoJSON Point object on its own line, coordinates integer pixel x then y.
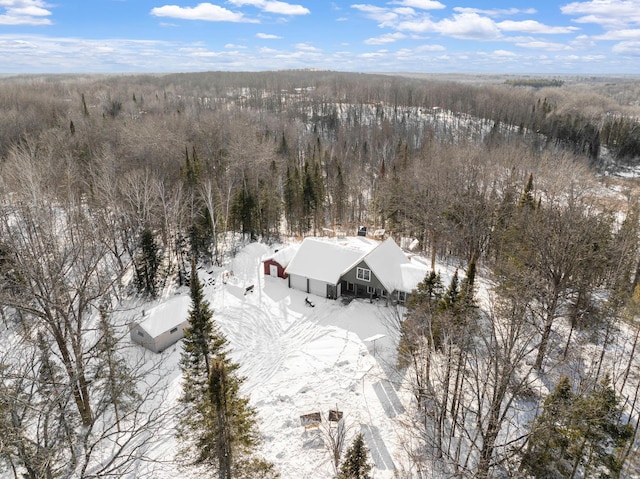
{"type": "Point", "coordinates": [505, 36]}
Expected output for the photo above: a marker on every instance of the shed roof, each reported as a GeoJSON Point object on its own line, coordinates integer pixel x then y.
{"type": "Point", "coordinates": [284, 256]}
{"type": "Point", "coordinates": [327, 260]}
{"type": "Point", "coordinates": [166, 316]}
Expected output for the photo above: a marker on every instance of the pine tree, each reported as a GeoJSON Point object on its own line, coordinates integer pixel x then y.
{"type": "Point", "coordinates": [113, 374]}
{"type": "Point", "coordinates": [356, 462]}
{"type": "Point", "coordinates": [577, 435]}
{"type": "Point", "coordinates": [217, 428]}
{"type": "Point", "coordinates": [451, 297]}
{"type": "Point", "coordinates": [527, 200]}
{"type": "Point", "coordinates": [201, 342]}
{"type": "Point", "coordinates": [147, 263]}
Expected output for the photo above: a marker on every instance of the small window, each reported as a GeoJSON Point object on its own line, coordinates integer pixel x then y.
{"type": "Point", "coordinates": [140, 333]}
{"type": "Point", "coordinates": [383, 293]}
{"type": "Point", "coordinates": [402, 296]}
{"type": "Point", "coordinates": [363, 274]}
{"type": "Point", "coordinates": [371, 290]}
{"type": "Point", "coordinates": [174, 330]}
{"type": "Point", "coordinates": [349, 286]}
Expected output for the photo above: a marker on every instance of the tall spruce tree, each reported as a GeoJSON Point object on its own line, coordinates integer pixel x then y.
{"type": "Point", "coordinates": [201, 342]}
{"type": "Point", "coordinates": [147, 263]}
{"type": "Point", "coordinates": [217, 428]}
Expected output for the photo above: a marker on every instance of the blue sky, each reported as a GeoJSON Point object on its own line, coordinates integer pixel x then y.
{"type": "Point", "coordinates": [435, 36]}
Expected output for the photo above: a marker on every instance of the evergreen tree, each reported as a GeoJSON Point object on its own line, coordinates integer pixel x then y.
{"type": "Point", "coordinates": [527, 200]}
{"type": "Point", "coordinates": [419, 321]}
{"type": "Point", "coordinates": [452, 295]}
{"type": "Point", "coordinates": [113, 374]}
{"type": "Point", "coordinates": [292, 199]}
{"type": "Point", "coordinates": [201, 342]}
{"type": "Point", "coordinates": [148, 263]}
{"type": "Point", "coordinates": [578, 435]}
{"type": "Point", "coordinates": [356, 462]}
{"type": "Point", "coordinates": [217, 427]}
{"type": "Point", "coordinates": [244, 211]}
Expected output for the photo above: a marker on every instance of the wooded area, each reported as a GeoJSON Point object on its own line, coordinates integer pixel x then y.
{"type": "Point", "coordinates": [105, 175]}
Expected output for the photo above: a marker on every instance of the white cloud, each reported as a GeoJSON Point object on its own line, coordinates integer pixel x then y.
{"type": "Point", "coordinates": [496, 12]}
{"type": "Point", "coordinates": [273, 6]}
{"type": "Point", "coordinates": [532, 26]}
{"type": "Point", "coordinates": [462, 25]}
{"type": "Point", "coordinates": [504, 54]}
{"type": "Point", "coordinates": [470, 26]}
{"type": "Point", "coordinates": [627, 48]}
{"type": "Point", "coordinates": [430, 48]}
{"type": "Point", "coordinates": [386, 38]}
{"type": "Point", "coordinates": [421, 4]}
{"type": "Point", "coordinates": [542, 45]}
{"type": "Point", "coordinates": [203, 11]}
{"type": "Point", "coordinates": [384, 16]}
{"type": "Point", "coordinates": [267, 36]}
{"type": "Point", "coordinates": [623, 34]}
{"type": "Point", "coordinates": [24, 12]}
{"type": "Point", "coordinates": [306, 47]}
{"type": "Point", "coordinates": [608, 13]}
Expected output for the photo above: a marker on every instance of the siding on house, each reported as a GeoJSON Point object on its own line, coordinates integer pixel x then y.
{"type": "Point", "coordinates": [350, 276]}
{"type": "Point", "coordinates": [330, 268]}
{"type": "Point", "coordinates": [318, 265]}
{"type": "Point", "coordinates": [163, 325]}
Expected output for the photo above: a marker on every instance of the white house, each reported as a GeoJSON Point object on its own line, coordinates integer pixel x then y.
{"type": "Point", "coordinates": [162, 325]}
{"type": "Point", "coordinates": [361, 267]}
{"type": "Point", "coordinates": [318, 265]}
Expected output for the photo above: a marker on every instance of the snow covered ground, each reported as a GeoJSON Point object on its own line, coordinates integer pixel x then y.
{"type": "Point", "coordinates": [300, 360]}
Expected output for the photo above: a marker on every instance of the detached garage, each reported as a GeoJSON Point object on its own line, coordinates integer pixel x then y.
{"type": "Point", "coordinates": [317, 266]}
{"type": "Point", "coordinates": [163, 325]}
{"type": "Point", "coordinates": [276, 264]}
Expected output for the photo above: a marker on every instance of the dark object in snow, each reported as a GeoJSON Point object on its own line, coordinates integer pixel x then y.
{"type": "Point", "coordinates": [248, 289]}
{"type": "Point", "coordinates": [334, 415]}
{"type": "Point", "coordinates": [309, 303]}
{"type": "Point", "coordinates": [311, 420]}
{"type": "Point", "coordinates": [362, 231]}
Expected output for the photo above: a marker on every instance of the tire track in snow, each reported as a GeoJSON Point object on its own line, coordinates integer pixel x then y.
{"type": "Point", "coordinates": [262, 341]}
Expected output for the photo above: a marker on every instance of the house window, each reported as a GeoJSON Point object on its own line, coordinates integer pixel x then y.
{"type": "Point", "coordinates": [350, 287]}
{"type": "Point", "coordinates": [140, 333]}
{"type": "Point", "coordinates": [371, 290]}
{"type": "Point", "coordinates": [383, 293]}
{"type": "Point", "coordinates": [363, 274]}
{"type": "Point", "coordinates": [402, 296]}
{"type": "Point", "coordinates": [174, 330]}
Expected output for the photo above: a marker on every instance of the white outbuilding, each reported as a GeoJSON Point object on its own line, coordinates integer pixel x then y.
{"type": "Point", "coordinates": [162, 325]}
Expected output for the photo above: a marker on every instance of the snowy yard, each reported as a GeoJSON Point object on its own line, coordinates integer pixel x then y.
{"type": "Point", "coordinates": [300, 360]}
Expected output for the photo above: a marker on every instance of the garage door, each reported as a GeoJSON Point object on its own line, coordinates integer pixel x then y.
{"type": "Point", "coordinates": [298, 282]}
{"type": "Point", "coordinates": [318, 288]}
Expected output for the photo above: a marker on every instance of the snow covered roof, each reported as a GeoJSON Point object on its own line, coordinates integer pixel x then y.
{"type": "Point", "coordinates": [284, 256]}
{"type": "Point", "coordinates": [385, 261]}
{"type": "Point", "coordinates": [412, 274]}
{"type": "Point", "coordinates": [166, 316]}
{"type": "Point", "coordinates": [327, 260]}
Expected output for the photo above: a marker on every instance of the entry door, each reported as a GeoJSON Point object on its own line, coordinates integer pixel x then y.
{"type": "Point", "coordinates": [273, 270]}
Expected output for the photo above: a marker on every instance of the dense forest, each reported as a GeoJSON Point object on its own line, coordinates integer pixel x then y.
{"type": "Point", "coordinates": [110, 184]}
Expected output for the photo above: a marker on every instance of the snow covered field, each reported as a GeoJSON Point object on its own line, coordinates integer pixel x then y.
{"type": "Point", "coordinates": [300, 360]}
